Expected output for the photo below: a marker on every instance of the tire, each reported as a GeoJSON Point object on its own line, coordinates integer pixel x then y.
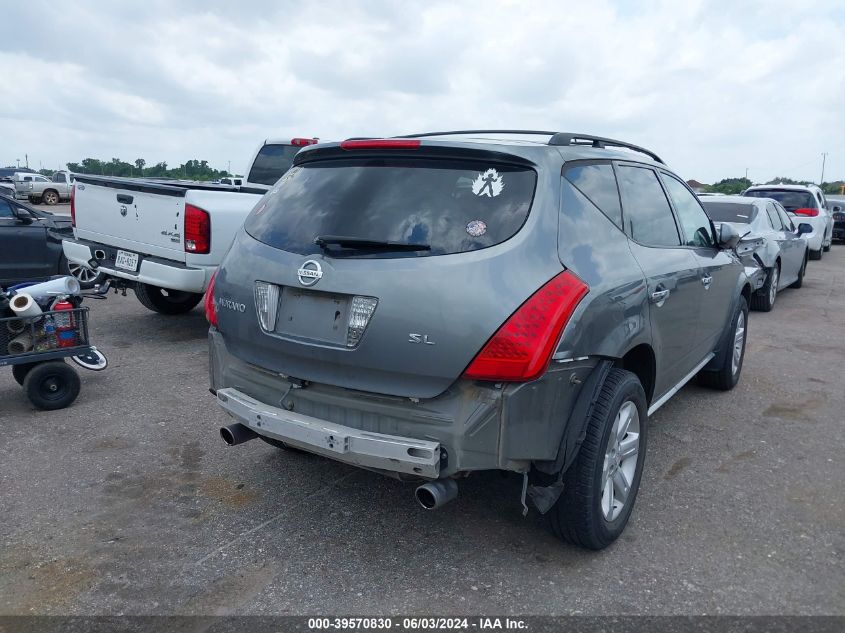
{"type": "Point", "coordinates": [816, 255]}
{"type": "Point", "coordinates": [19, 372]}
{"type": "Point", "coordinates": [726, 377]}
{"type": "Point", "coordinates": [52, 385]}
{"type": "Point", "coordinates": [86, 277]}
{"type": "Point", "coordinates": [764, 299]}
{"type": "Point", "coordinates": [584, 514]}
{"type": "Point", "coordinates": [50, 197]}
{"type": "Point", "coordinates": [800, 281]}
{"type": "Point", "coordinates": [826, 249]}
{"type": "Point", "coordinates": [166, 301]}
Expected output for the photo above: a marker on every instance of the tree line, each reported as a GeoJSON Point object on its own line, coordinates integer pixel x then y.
{"type": "Point", "coordinates": [738, 185]}
{"type": "Point", "coordinates": [190, 170]}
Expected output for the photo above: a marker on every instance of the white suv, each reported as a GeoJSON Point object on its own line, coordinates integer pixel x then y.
{"type": "Point", "coordinates": [805, 203]}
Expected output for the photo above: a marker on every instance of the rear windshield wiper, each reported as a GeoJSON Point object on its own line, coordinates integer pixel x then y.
{"type": "Point", "coordinates": [361, 242]}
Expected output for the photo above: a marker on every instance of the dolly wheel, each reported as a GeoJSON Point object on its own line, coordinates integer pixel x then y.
{"type": "Point", "coordinates": [52, 385]}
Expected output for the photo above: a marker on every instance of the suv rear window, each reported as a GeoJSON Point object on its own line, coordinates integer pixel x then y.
{"type": "Point", "coordinates": [730, 211]}
{"type": "Point", "coordinates": [790, 200]}
{"type": "Point", "coordinates": [272, 161]}
{"type": "Point", "coordinates": [454, 206]}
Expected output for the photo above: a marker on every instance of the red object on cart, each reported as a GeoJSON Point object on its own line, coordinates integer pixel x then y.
{"type": "Point", "coordinates": [66, 328]}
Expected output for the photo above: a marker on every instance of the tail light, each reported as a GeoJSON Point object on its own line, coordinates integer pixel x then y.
{"type": "Point", "coordinates": [208, 301]}
{"type": "Point", "coordinates": [522, 348]}
{"type": "Point", "coordinates": [302, 142]}
{"type": "Point", "coordinates": [266, 304]}
{"type": "Point", "coordinates": [381, 143]}
{"type": "Point", "coordinates": [73, 206]}
{"type": "Point", "coordinates": [359, 317]}
{"type": "Point", "coordinates": [807, 212]}
{"type": "Point", "coordinates": [197, 230]}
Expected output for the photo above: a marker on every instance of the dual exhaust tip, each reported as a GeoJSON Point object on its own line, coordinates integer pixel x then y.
{"type": "Point", "coordinates": [431, 496]}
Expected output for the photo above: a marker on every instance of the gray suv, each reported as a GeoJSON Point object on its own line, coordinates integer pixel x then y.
{"type": "Point", "coordinates": [434, 305]}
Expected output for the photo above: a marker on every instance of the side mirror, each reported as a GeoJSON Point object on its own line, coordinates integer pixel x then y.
{"type": "Point", "coordinates": [804, 228]}
{"type": "Point", "coordinates": [728, 236]}
{"type": "Point", "coordinates": [836, 208]}
{"type": "Point", "coordinates": [24, 219]}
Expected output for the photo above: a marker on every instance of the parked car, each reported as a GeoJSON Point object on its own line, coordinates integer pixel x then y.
{"type": "Point", "coordinates": [234, 181]}
{"type": "Point", "coordinates": [836, 206]}
{"type": "Point", "coordinates": [782, 251]}
{"type": "Point", "coordinates": [165, 238]}
{"type": "Point", "coordinates": [40, 189]}
{"type": "Point", "coordinates": [435, 305]}
{"type": "Point", "coordinates": [7, 186]}
{"type": "Point", "coordinates": [31, 246]}
{"type": "Point", "coordinates": [804, 203]}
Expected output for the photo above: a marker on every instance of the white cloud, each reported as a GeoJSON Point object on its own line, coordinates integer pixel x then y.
{"type": "Point", "coordinates": [714, 87]}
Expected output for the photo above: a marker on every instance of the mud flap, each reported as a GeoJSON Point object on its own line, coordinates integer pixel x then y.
{"type": "Point", "coordinates": [543, 494]}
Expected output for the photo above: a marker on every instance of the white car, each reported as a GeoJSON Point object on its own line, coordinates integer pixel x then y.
{"type": "Point", "coordinates": [806, 204]}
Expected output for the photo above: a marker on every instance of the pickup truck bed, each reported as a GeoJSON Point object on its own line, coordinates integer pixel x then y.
{"type": "Point", "coordinates": [167, 236]}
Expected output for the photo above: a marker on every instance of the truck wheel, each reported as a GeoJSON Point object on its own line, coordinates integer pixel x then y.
{"type": "Point", "coordinates": [800, 281]}
{"type": "Point", "coordinates": [166, 301]}
{"type": "Point", "coordinates": [816, 255]}
{"type": "Point", "coordinates": [764, 299]}
{"type": "Point", "coordinates": [19, 372]}
{"type": "Point", "coordinates": [601, 485]}
{"type": "Point", "coordinates": [732, 353]}
{"type": "Point", "coordinates": [50, 197]}
{"type": "Point", "coordinates": [51, 385]}
{"type": "Point", "coordinates": [86, 277]}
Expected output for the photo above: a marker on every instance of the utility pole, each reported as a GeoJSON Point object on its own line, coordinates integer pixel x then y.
{"type": "Point", "coordinates": [18, 161]}
{"type": "Point", "coordinates": [746, 173]}
{"type": "Point", "coordinates": [824, 157]}
{"type": "Point", "coordinates": [26, 156]}
{"type": "Point", "coordinates": [229, 171]}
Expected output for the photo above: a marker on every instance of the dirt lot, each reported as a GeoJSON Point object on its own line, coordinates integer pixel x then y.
{"type": "Point", "coordinates": [128, 502]}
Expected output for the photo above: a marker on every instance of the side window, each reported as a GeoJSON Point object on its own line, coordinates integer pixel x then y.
{"type": "Point", "coordinates": [694, 221]}
{"type": "Point", "coordinates": [787, 223]}
{"type": "Point", "coordinates": [648, 216]}
{"type": "Point", "coordinates": [774, 218]}
{"type": "Point", "coordinates": [59, 178]}
{"type": "Point", "coordinates": [598, 184]}
{"type": "Point", "coordinates": [6, 210]}
{"type": "Point", "coordinates": [27, 178]}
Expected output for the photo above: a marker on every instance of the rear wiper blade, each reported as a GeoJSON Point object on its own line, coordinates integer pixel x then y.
{"type": "Point", "coordinates": [361, 242]}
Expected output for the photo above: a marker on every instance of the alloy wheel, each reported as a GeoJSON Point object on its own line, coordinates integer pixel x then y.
{"type": "Point", "coordinates": [773, 289]}
{"type": "Point", "coordinates": [739, 341]}
{"type": "Point", "coordinates": [83, 274]}
{"type": "Point", "coordinates": [620, 460]}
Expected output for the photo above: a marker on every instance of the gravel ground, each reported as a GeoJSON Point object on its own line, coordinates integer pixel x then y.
{"type": "Point", "coordinates": [128, 502]}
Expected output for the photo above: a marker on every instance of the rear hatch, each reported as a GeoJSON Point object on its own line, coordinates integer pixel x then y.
{"type": "Point", "coordinates": [386, 272]}
{"type": "Point", "coordinates": [140, 216]}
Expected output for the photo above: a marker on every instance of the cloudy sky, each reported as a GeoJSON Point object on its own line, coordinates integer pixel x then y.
{"type": "Point", "coordinates": [714, 87]}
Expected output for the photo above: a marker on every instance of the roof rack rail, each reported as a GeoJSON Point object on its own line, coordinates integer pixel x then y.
{"type": "Point", "coordinates": [557, 138]}
{"type": "Point", "coordinates": [568, 138]}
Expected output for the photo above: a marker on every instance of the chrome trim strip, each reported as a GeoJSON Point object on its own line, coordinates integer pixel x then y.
{"type": "Point", "coordinates": [665, 397]}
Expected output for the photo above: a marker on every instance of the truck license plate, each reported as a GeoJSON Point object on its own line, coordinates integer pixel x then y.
{"type": "Point", "coordinates": [126, 260]}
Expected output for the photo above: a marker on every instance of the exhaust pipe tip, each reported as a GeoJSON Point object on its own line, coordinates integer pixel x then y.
{"type": "Point", "coordinates": [238, 433]}
{"type": "Point", "coordinates": [436, 494]}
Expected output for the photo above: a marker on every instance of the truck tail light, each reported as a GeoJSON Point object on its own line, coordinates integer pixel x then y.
{"type": "Point", "coordinates": [302, 142]}
{"type": "Point", "coordinates": [807, 212]}
{"type": "Point", "coordinates": [197, 230]}
{"type": "Point", "coordinates": [73, 206]}
{"type": "Point", "coordinates": [522, 347]}
{"type": "Point", "coordinates": [208, 301]}
{"type": "Point", "coordinates": [381, 143]}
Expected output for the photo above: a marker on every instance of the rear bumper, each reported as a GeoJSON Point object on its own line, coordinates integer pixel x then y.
{"type": "Point", "coordinates": [353, 446]}
{"type": "Point", "coordinates": [152, 270]}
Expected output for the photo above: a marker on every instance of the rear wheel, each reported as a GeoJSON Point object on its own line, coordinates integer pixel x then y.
{"type": "Point", "coordinates": [816, 255]}
{"type": "Point", "coordinates": [732, 353]}
{"type": "Point", "coordinates": [50, 197]}
{"type": "Point", "coordinates": [52, 385]}
{"type": "Point", "coordinates": [601, 485]}
{"type": "Point", "coordinates": [764, 299]}
{"type": "Point", "coordinates": [166, 301]}
{"type": "Point", "coordinates": [800, 281]}
{"type": "Point", "coordinates": [86, 277]}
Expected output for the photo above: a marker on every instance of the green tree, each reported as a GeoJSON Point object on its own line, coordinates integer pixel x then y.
{"type": "Point", "coordinates": [730, 186]}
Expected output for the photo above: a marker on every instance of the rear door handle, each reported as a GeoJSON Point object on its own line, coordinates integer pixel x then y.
{"type": "Point", "coordinates": [707, 280]}
{"type": "Point", "coordinates": [659, 296]}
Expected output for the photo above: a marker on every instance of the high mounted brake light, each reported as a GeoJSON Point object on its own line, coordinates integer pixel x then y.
{"type": "Point", "coordinates": [197, 230]}
{"type": "Point", "coordinates": [522, 347]}
{"type": "Point", "coordinates": [381, 143]}
{"type": "Point", "coordinates": [208, 301]}
{"type": "Point", "coordinates": [302, 142]}
{"type": "Point", "coordinates": [807, 212]}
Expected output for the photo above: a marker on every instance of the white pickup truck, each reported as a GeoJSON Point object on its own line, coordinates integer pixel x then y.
{"type": "Point", "coordinates": [165, 239]}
